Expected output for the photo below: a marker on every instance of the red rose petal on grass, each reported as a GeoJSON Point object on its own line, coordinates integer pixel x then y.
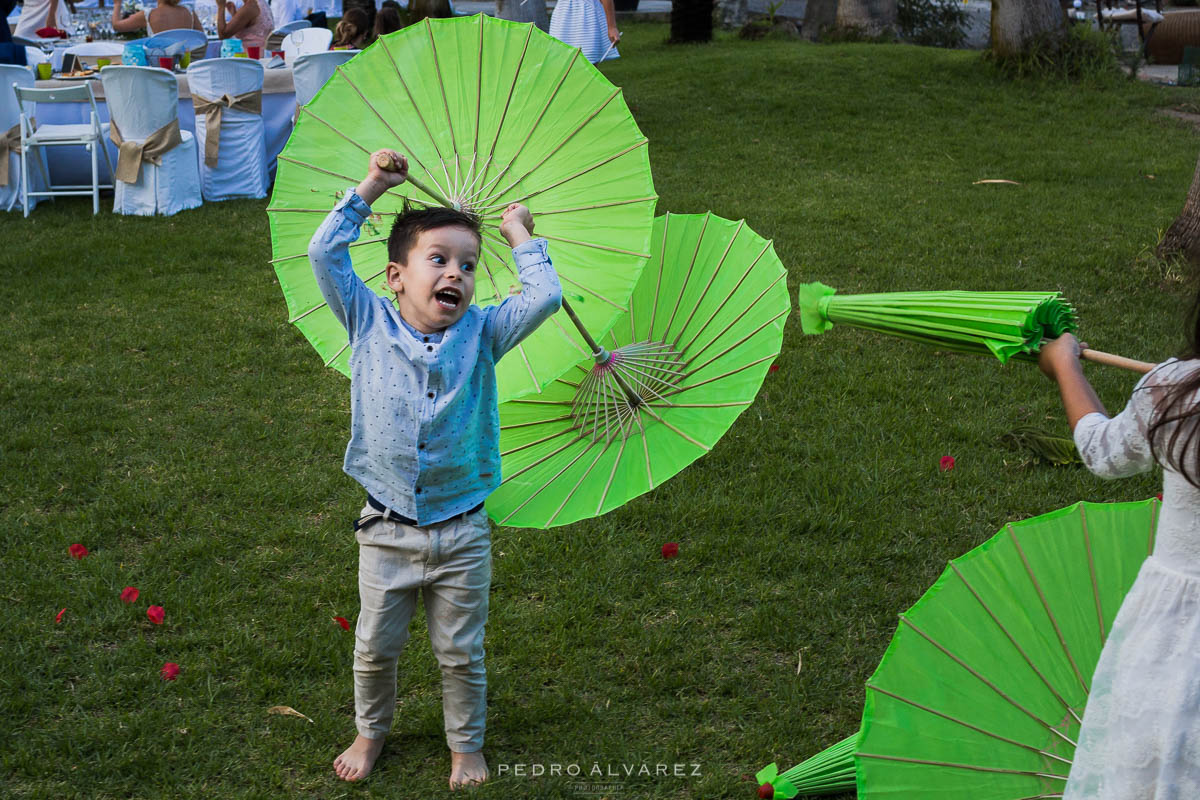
{"type": "Point", "coordinates": [946, 464]}
{"type": "Point", "coordinates": [77, 551]}
{"type": "Point", "coordinates": [773, 368]}
{"type": "Point", "coordinates": [58, 616]}
{"type": "Point", "coordinates": [766, 791]}
{"type": "Point", "coordinates": [170, 671]}
{"type": "Point", "coordinates": [129, 594]}
{"type": "Point", "coordinates": [1159, 495]}
{"type": "Point", "coordinates": [155, 613]}
{"type": "Point", "coordinates": [342, 621]}
{"type": "Point", "coordinates": [670, 549]}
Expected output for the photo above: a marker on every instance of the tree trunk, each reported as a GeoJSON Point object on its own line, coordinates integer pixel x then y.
{"type": "Point", "coordinates": [524, 11]}
{"type": "Point", "coordinates": [1183, 237]}
{"type": "Point", "coordinates": [819, 15]}
{"type": "Point", "coordinates": [872, 16]}
{"type": "Point", "coordinates": [1015, 23]}
{"type": "Point", "coordinates": [691, 21]}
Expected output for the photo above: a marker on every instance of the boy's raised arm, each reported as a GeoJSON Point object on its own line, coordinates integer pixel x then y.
{"type": "Point", "coordinates": [541, 294]}
{"type": "Point", "coordinates": [351, 301]}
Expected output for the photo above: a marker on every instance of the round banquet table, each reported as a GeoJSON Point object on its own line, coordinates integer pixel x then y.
{"type": "Point", "coordinates": [72, 165]}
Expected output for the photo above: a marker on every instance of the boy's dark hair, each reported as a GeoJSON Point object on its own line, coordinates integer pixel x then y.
{"type": "Point", "coordinates": [412, 222]}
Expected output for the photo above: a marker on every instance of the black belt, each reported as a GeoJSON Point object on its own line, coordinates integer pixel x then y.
{"type": "Point", "coordinates": [391, 516]}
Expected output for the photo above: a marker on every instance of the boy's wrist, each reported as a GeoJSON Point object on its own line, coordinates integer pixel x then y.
{"type": "Point", "coordinates": [516, 235]}
{"type": "Point", "coordinates": [370, 189]}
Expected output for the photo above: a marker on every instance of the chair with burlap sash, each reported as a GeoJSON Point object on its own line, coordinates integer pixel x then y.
{"type": "Point", "coordinates": [156, 171]}
{"type": "Point", "coordinates": [36, 139]}
{"type": "Point", "coordinates": [10, 138]}
{"type": "Point", "coordinates": [227, 98]}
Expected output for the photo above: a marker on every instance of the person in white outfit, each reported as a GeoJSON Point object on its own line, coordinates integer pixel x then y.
{"type": "Point", "coordinates": [590, 25]}
{"type": "Point", "coordinates": [37, 14]}
{"type": "Point", "coordinates": [1140, 737]}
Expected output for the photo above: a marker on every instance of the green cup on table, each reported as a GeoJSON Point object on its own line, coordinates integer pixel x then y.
{"type": "Point", "coordinates": [43, 71]}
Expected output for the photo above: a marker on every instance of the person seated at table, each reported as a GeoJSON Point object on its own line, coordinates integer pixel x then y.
{"type": "Point", "coordinates": [252, 23]}
{"type": "Point", "coordinates": [168, 15]}
{"type": "Point", "coordinates": [352, 30]}
{"type": "Point", "coordinates": [387, 20]}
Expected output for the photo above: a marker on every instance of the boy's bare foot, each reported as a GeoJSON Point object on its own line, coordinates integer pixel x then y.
{"type": "Point", "coordinates": [467, 769]}
{"type": "Point", "coordinates": [355, 763]}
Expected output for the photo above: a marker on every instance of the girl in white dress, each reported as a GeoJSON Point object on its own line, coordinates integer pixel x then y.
{"type": "Point", "coordinates": [590, 25]}
{"type": "Point", "coordinates": [1140, 738]}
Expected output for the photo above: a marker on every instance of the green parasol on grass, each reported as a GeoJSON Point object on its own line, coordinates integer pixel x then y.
{"type": "Point", "coordinates": [1003, 324]}
{"type": "Point", "coordinates": [982, 690]}
{"type": "Point", "coordinates": [830, 771]}
{"type": "Point", "coordinates": [488, 112]}
{"type": "Point", "coordinates": [656, 392]}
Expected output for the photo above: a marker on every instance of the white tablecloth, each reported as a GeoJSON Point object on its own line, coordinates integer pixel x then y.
{"type": "Point", "coordinates": [73, 165]}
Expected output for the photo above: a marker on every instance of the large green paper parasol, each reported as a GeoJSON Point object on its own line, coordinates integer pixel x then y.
{"type": "Point", "coordinates": [658, 391]}
{"type": "Point", "coordinates": [488, 112]}
{"type": "Point", "coordinates": [982, 690]}
{"type": "Point", "coordinates": [1003, 324]}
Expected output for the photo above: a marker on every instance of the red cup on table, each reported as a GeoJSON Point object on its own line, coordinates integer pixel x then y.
{"type": "Point", "coordinates": [254, 52]}
{"type": "Point", "coordinates": [277, 53]}
{"type": "Point", "coordinates": [166, 62]}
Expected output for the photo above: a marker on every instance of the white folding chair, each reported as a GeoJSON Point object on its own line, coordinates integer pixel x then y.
{"type": "Point", "coordinates": [241, 167]}
{"type": "Point", "coordinates": [308, 40]}
{"type": "Point", "coordinates": [10, 124]}
{"type": "Point", "coordinates": [193, 40]}
{"type": "Point", "coordinates": [90, 134]}
{"type": "Point", "coordinates": [287, 7]}
{"type": "Point", "coordinates": [311, 71]}
{"type": "Point", "coordinates": [142, 101]}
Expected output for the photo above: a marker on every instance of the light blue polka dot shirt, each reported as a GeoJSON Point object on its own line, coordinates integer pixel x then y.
{"type": "Point", "coordinates": [424, 424]}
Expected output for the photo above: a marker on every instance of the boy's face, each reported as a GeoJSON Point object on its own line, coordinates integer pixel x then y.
{"type": "Point", "coordinates": [435, 285]}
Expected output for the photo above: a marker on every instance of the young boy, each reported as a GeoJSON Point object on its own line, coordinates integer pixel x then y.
{"type": "Point", "coordinates": [424, 433]}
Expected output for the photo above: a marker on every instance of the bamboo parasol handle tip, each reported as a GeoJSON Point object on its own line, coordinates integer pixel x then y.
{"type": "Point", "coordinates": [386, 163]}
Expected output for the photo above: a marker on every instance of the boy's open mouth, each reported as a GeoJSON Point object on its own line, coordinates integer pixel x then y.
{"type": "Point", "coordinates": [448, 298]}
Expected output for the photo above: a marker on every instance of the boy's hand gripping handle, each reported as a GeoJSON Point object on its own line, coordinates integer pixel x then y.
{"type": "Point", "coordinates": [388, 164]}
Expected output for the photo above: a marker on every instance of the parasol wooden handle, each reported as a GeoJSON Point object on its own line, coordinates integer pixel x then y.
{"type": "Point", "coordinates": [389, 164]}
{"type": "Point", "coordinates": [1116, 361]}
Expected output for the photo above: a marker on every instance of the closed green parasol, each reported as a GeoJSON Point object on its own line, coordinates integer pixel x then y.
{"type": "Point", "coordinates": [488, 112]}
{"type": "Point", "coordinates": [657, 391]}
{"type": "Point", "coordinates": [1002, 324]}
{"type": "Point", "coordinates": [981, 692]}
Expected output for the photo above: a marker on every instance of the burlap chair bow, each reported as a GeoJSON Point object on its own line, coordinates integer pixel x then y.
{"type": "Point", "coordinates": [214, 110]}
{"type": "Point", "coordinates": [130, 155]}
{"type": "Point", "coordinates": [9, 143]}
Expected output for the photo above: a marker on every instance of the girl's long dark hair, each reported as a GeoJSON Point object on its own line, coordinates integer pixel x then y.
{"type": "Point", "coordinates": [1175, 431]}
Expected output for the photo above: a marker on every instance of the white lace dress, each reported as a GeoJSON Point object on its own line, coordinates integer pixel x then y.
{"type": "Point", "coordinates": [1140, 738]}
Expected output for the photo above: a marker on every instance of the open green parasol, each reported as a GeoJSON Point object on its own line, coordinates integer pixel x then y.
{"type": "Point", "coordinates": [657, 391]}
{"type": "Point", "coordinates": [982, 690]}
{"type": "Point", "coordinates": [1003, 324]}
{"type": "Point", "coordinates": [488, 112]}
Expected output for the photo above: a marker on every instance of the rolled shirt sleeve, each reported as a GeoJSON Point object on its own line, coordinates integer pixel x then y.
{"type": "Point", "coordinates": [350, 300]}
{"type": "Point", "coordinates": [541, 295]}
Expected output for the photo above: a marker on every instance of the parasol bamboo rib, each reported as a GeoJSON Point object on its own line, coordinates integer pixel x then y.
{"type": "Point", "coordinates": [968, 725]}
{"type": "Point", "coordinates": [1012, 639]}
{"type": "Point", "coordinates": [1046, 607]}
{"type": "Point", "coordinates": [691, 268]}
{"type": "Point", "coordinates": [1087, 543]}
{"type": "Point", "coordinates": [569, 178]}
{"type": "Point", "coordinates": [533, 128]}
{"type": "Point", "coordinates": [711, 278]}
{"type": "Point", "coordinates": [974, 767]}
{"type": "Point", "coordinates": [416, 106]}
{"type": "Point", "coordinates": [441, 195]}
{"type": "Point", "coordinates": [975, 673]}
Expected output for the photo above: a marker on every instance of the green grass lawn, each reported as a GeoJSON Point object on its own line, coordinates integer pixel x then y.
{"type": "Point", "coordinates": [158, 408]}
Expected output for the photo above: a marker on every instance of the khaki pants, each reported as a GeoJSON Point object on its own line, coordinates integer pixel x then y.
{"type": "Point", "coordinates": [450, 566]}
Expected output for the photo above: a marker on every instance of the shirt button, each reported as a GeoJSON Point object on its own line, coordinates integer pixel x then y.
{"type": "Point", "coordinates": [418, 490]}
{"type": "Point", "coordinates": [421, 446]}
{"type": "Point", "coordinates": [429, 347]}
{"type": "Point", "coordinates": [425, 339]}
{"type": "Point", "coordinates": [430, 395]}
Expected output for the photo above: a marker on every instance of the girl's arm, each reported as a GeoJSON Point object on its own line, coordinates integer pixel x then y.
{"type": "Point", "coordinates": [1059, 361]}
{"type": "Point", "coordinates": [610, 14]}
{"type": "Point", "coordinates": [134, 22]}
{"type": "Point", "coordinates": [242, 18]}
